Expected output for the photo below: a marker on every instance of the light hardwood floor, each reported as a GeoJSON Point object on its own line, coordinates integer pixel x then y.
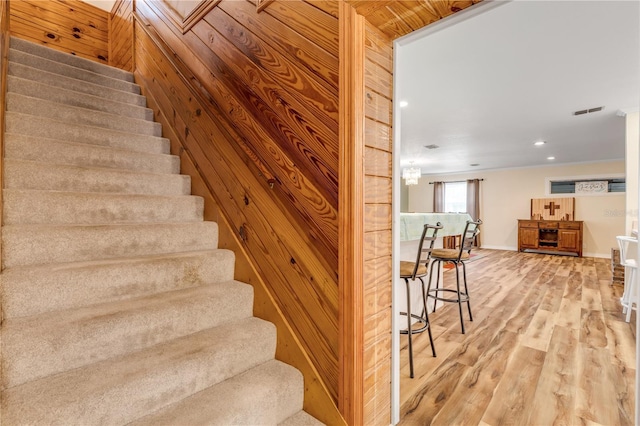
{"type": "Point", "coordinates": [548, 345]}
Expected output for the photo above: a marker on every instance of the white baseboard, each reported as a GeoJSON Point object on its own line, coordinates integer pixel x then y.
{"type": "Point", "coordinates": [509, 248]}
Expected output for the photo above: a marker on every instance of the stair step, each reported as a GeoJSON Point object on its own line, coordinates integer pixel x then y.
{"type": "Point", "coordinates": [68, 59]}
{"type": "Point", "coordinates": [54, 67]}
{"type": "Point", "coordinates": [34, 290]}
{"type": "Point", "coordinates": [143, 382]}
{"type": "Point", "coordinates": [32, 207]}
{"type": "Point", "coordinates": [44, 91]}
{"type": "Point", "coordinates": [40, 244]}
{"type": "Point", "coordinates": [68, 83]}
{"type": "Point", "coordinates": [75, 115]}
{"type": "Point", "coordinates": [40, 346]}
{"type": "Point", "coordinates": [54, 151]}
{"type": "Point", "coordinates": [264, 395]}
{"type": "Point", "coordinates": [30, 125]}
{"type": "Point", "coordinates": [301, 418]}
{"type": "Point", "coordinates": [20, 174]}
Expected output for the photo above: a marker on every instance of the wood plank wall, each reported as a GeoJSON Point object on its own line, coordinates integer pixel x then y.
{"type": "Point", "coordinates": [351, 215]}
{"type": "Point", "coordinates": [377, 226]}
{"type": "Point", "coordinates": [265, 106]}
{"type": "Point", "coordinates": [121, 45]}
{"type": "Point", "coordinates": [70, 26]}
{"type": "Point", "coordinates": [4, 56]}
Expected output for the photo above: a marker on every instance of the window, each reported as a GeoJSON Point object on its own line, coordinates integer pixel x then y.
{"type": "Point", "coordinates": [455, 197]}
{"type": "Point", "coordinates": [587, 185]}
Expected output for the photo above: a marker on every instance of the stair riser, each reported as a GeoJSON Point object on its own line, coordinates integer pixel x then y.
{"type": "Point", "coordinates": [264, 395]}
{"type": "Point", "coordinates": [72, 84]}
{"type": "Point", "coordinates": [59, 208]}
{"type": "Point", "coordinates": [81, 116]}
{"type": "Point", "coordinates": [20, 147]}
{"type": "Point", "coordinates": [65, 58]}
{"type": "Point", "coordinates": [29, 125]}
{"type": "Point", "coordinates": [42, 176]}
{"type": "Point", "coordinates": [69, 71]}
{"type": "Point", "coordinates": [85, 336]}
{"type": "Point", "coordinates": [116, 303]}
{"type": "Point", "coordinates": [145, 382]}
{"type": "Point", "coordinates": [33, 245]}
{"type": "Point", "coordinates": [33, 291]}
{"type": "Point", "coordinates": [76, 99]}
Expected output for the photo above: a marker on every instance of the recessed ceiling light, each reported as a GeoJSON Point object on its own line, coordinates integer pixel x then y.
{"type": "Point", "coordinates": [539, 143]}
{"type": "Point", "coordinates": [404, 104]}
{"type": "Point", "coordinates": [474, 164]}
{"type": "Point", "coordinates": [551, 158]}
{"type": "Point", "coordinates": [432, 146]}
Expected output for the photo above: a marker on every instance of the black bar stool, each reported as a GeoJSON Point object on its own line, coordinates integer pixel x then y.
{"type": "Point", "coordinates": [411, 271]}
{"type": "Point", "coordinates": [455, 257]}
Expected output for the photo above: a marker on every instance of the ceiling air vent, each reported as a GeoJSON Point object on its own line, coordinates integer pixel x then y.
{"type": "Point", "coordinates": [588, 111]}
{"type": "Point", "coordinates": [432, 146]}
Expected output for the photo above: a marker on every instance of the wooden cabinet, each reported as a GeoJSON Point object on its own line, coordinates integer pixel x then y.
{"type": "Point", "coordinates": [554, 237]}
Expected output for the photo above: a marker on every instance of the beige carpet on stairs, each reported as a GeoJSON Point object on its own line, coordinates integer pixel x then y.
{"type": "Point", "coordinates": [118, 306]}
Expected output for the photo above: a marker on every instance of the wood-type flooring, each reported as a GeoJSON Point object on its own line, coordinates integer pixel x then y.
{"type": "Point", "coordinates": [548, 345]}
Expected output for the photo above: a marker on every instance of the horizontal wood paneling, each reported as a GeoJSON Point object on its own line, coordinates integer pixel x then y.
{"type": "Point", "coordinates": [377, 162]}
{"type": "Point", "coordinates": [70, 26]}
{"type": "Point", "coordinates": [377, 244]}
{"type": "Point", "coordinates": [121, 35]}
{"type": "Point", "coordinates": [377, 135]}
{"type": "Point", "coordinates": [378, 189]}
{"type": "Point", "coordinates": [247, 103]}
{"type": "Point", "coordinates": [378, 172]}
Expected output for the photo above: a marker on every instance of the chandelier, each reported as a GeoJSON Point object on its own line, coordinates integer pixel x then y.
{"type": "Point", "coordinates": [411, 175]}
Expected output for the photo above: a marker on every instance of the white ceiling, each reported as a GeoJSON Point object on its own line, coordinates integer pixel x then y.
{"type": "Point", "coordinates": [487, 83]}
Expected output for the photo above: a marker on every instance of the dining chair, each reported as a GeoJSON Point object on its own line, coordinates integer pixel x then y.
{"type": "Point", "coordinates": [410, 271]}
{"type": "Point", "coordinates": [630, 293]}
{"type": "Point", "coordinates": [456, 257]}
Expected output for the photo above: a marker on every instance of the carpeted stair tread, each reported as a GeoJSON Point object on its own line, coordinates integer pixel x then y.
{"type": "Point", "coordinates": [50, 343]}
{"type": "Point", "coordinates": [24, 207]}
{"type": "Point", "coordinates": [36, 289]}
{"type": "Point", "coordinates": [44, 91]}
{"type": "Point", "coordinates": [264, 395]}
{"type": "Point", "coordinates": [22, 174]}
{"type": "Point", "coordinates": [120, 390]}
{"type": "Point", "coordinates": [54, 67]}
{"type": "Point", "coordinates": [55, 151]}
{"type": "Point", "coordinates": [301, 418]}
{"type": "Point", "coordinates": [25, 124]}
{"type": "Point", "coordinates": [73, 84]}
{"type": "Point", "coordinates": [40, 244]}
{"type": "Point", "coordinates": [117, 306]}
{"type": "Point", "coordinates": [72, 60]}
{"type": "Point", "coordinates": [82, 116]}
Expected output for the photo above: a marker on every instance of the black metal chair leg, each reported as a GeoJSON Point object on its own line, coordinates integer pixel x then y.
{"type": "Point", "coordinates": [466, 290]}
{"type": "Point", "coordinates": [435, 301]}
{"type": "Point", "coordinates": [426, 318]}
{"type": "Point", "coordinates": [459, 297]}
{"type": "Point", "coordinates": [409, 332]}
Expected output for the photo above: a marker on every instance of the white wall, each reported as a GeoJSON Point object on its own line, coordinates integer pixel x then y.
{"type": "Point", "coordinates": [631, 155]}
{"type": "Point", "coordinates": [506, 197]}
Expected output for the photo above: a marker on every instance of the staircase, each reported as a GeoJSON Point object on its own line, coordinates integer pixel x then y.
{"type": "Point", "coordinates": [118, 307]}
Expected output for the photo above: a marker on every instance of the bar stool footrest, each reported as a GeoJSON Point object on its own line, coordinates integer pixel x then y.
{"type": "Point", "coordinates": [463, 296]}
{"type": "Point", "coordinates": [416, 330]}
